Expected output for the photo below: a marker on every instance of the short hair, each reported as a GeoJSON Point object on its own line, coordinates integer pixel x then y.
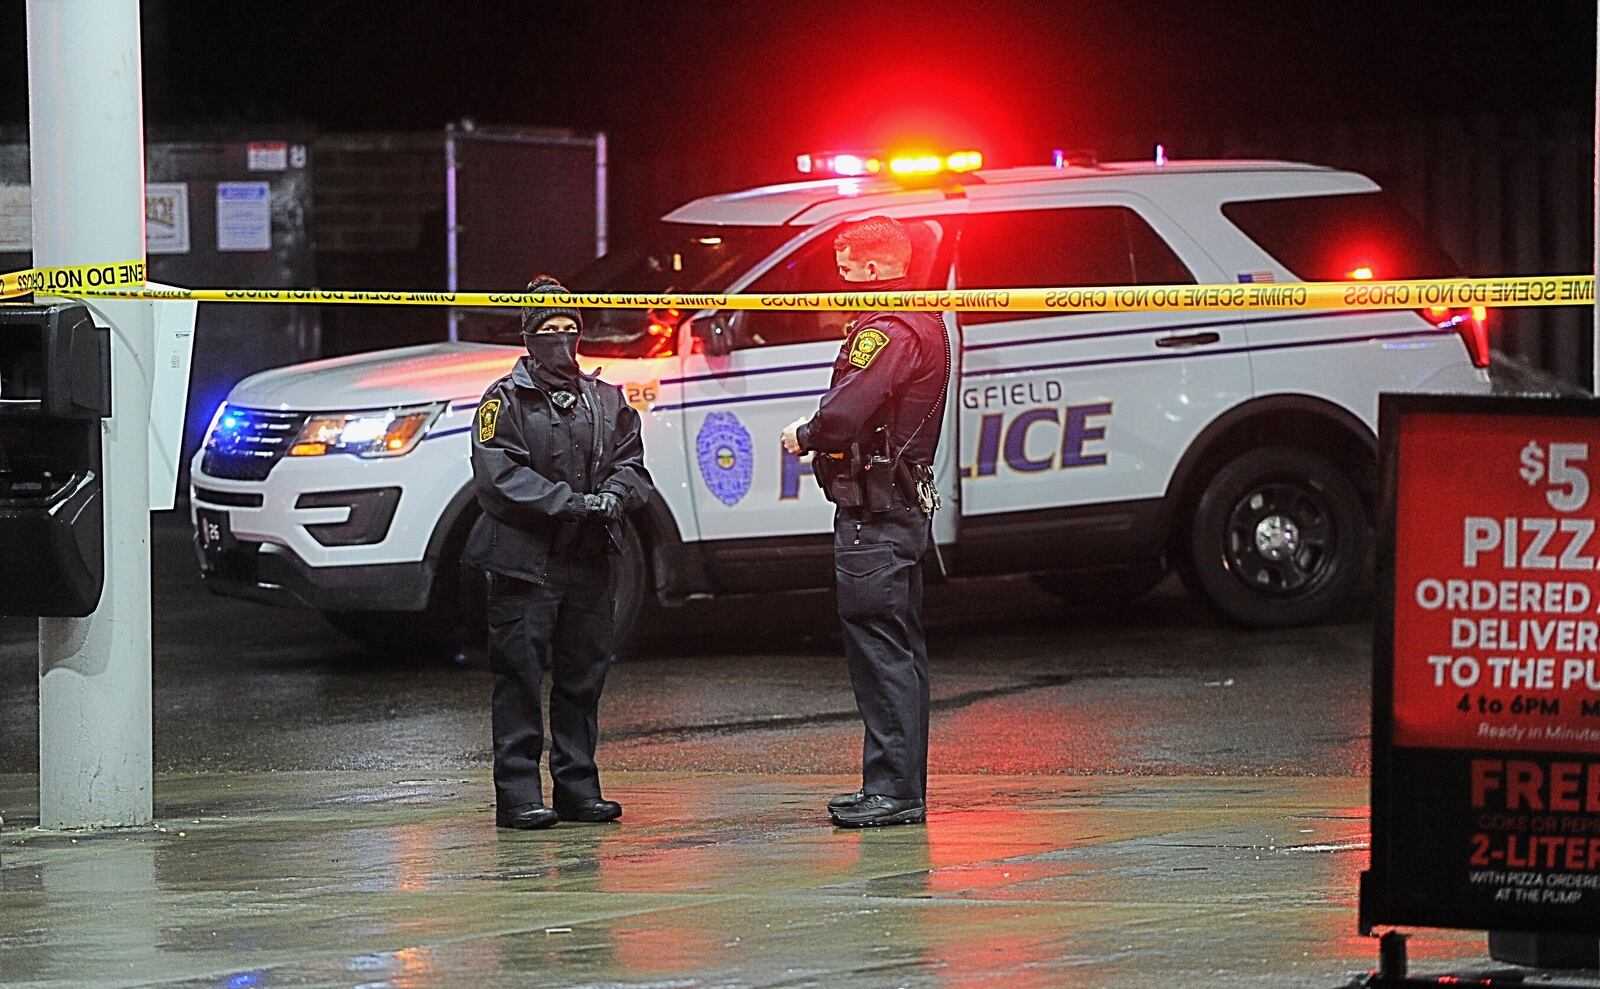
{"type": "Point", "coordinates": [877, 238]}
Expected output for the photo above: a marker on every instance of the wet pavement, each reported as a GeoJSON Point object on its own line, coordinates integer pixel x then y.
{"type": "Point", "coordinates": [1135, 796]}
{"type": "Point", "coordinates": [1021, 684]}
{"type": "Point", "coordinates": [336, 879]}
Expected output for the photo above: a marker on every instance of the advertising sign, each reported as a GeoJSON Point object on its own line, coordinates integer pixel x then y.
{"type": "Point", "coordinates": [1486, 684]}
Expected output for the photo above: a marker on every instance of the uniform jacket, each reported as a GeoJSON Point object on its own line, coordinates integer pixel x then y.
{"type": "Point", "coordinates": [892, 370]}
{"type": "Point", "coordinates": [519, 480]}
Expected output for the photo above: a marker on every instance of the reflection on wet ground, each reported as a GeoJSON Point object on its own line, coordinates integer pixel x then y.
{"type": "Point", "coordinates": [332, 879]}
{"type": "Point", "coordinates": [1128, 796]}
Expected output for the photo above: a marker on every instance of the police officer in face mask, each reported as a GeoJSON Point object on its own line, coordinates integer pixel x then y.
{"type": "Point", "coordinates": [873, 440]}
{"type": "Point", "coordinates": [556, 462]}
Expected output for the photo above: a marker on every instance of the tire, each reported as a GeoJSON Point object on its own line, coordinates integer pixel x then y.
{"type": "Point", "coordinates": [630, 584]}
{"type": "Point", "coordinates": [1279, 538]}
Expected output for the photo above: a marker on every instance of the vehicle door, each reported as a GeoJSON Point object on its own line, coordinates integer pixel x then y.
{"type": "Point", "coordinates": [778, 365]}
{"type": "Point", "coordinates": [1063, 410]}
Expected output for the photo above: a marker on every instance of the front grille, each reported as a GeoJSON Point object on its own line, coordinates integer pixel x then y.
{"type": "Point", "coordinates": [245, 443]}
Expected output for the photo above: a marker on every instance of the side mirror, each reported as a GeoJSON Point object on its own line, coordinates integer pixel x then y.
{"type": "Point", "coordinates": [713, 331]}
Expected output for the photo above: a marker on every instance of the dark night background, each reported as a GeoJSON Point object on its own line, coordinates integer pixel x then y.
{"type": "Point", "coordinates": [756, 82]}
{"type": "Point", "coordinates": [1477, 113]}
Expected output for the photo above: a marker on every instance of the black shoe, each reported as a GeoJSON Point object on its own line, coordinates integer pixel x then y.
{"type": "Point", "coordinates": [595, 811]}
{"type": "Point", "coordinates": [844, 800]}
{"type": "Point", "coordinates": [876, 810]}
{"type": "Point", "coordinates": [525, 817]}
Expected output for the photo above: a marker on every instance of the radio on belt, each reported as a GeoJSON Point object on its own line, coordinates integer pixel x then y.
{"type": "Point", "coordinates": [55, 387]}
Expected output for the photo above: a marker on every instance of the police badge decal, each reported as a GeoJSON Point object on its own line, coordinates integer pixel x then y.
{"type": "Point", "coordinates": [488, 418]}
{"type": "Point", "coordinates": [867, 345]}
{"type": "Point", "coordinates": [723, 450]}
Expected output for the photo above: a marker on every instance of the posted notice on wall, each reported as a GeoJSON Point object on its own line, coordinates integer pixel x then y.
{"type": "Point", "coordinates": [244, 216]}
{"type": "Point", "coordinates": [166, 217]}
{"type": "Point", "coordinates": [1487, 747]}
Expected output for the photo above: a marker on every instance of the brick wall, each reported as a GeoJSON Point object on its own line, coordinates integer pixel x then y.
{"type": "Point", "coordinates": [378, 223]}
{"type": "Point", "coordinates": [378, 192]}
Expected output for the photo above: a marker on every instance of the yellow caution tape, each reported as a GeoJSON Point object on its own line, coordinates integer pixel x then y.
{"type": "Point", "coordinates": [72, 281]}
{"type": "Point", "coordinates": [118, 281]}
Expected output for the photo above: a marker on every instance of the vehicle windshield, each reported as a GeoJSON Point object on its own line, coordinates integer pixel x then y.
{"type": "Point", "coordinates": [672, 257]}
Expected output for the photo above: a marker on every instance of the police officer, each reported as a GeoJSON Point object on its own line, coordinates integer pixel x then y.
{"type": "Point", "coordinates": [873, 439]}
{"type": "Point", "coordinates": [556, 462]}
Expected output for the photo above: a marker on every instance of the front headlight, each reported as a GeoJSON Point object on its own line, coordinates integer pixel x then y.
{"type": "Point", "coordinates": [385, 433]}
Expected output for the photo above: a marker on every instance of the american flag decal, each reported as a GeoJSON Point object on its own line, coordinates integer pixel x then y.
{"type": "Point", "coordinates": [1256, 276]}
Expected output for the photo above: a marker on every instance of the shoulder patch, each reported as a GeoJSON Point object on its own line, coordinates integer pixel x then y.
{"type": "Point", "coordinates": [869, 343]}
{"type": "Point", "coordinates": [488, 419]}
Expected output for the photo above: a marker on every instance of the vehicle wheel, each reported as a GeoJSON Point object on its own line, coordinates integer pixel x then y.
{"type": "Point", "coordinates": [630, 583]}
{"type": "Point", "coordinates": [1279, 538]}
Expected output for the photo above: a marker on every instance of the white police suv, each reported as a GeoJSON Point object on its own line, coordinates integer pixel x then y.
{"type": "Point", "coordinates": [1092, 450]}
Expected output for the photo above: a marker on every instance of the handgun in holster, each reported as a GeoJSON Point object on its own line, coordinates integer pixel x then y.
{"type": "Point", "coordinates": [857, 479]}
{"type": "Point", "coordinates": [835, 478]}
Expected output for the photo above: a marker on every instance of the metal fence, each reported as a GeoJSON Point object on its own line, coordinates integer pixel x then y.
{"type": "Point", "coordinates": [519, 202]}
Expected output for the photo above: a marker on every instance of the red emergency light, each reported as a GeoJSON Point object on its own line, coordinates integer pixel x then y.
{"type": "Point", "coordinates": [853, 164]}
{"type": "Point", "coordinates": [1471, 325]}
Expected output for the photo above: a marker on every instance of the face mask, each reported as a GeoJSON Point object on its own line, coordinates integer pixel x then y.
{"type": "Point", "coordinates": [555, 358]}
{"type": "Point", "coordinates": [901, 284]}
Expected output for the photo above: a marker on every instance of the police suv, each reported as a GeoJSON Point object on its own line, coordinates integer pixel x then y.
{"type": "Point", "coordinates": [1094, 451]}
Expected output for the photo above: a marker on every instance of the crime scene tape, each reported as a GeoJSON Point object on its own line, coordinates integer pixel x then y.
{"type": "Point", "coordinates": [81, 277]}
{"type": "Point", "coordinates": [125, 280]}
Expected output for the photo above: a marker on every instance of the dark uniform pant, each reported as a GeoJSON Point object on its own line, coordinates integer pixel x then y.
{"type": "Point", "coordinates": [565, 626]}
{"type": "Point", "coordinates": [878, 569]}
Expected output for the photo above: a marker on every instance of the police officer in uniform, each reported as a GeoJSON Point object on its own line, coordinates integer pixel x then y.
{"type": "Point", "coordinates": [556, 462]}
{"type": "Point", "coordinates": [873, 439]}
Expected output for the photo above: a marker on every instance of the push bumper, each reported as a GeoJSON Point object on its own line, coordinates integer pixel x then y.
{"type": "Point", "coordinates": [271, 574]}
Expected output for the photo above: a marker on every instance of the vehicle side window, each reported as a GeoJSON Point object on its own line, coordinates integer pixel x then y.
{"type": "Point", "coordinates": [1340, 237]}
{"type": "Point", "coordinates": [812, 268]}
{"type": "Point", "coordinates": [1044, 248]}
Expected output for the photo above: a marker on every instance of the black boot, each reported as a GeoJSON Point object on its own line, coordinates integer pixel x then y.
{"type": "Point", "coordinates": [592, 811]}
{"type": "Point", "coordinates": [844, 800]}
{"type": "Point", "coordinates": [877, 810]}
{"type": "Point", "coordinates": [525, 817]}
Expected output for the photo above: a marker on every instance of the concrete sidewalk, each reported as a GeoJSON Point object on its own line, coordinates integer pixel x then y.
{"type": "Point", "coordinates": [395, 879]}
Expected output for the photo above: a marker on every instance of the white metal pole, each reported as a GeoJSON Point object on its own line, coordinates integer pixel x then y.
{"type": "Point", "coordinates": [86, 133]}
{"type": "Point", "coordinates": [452, 275]}
{"type": "Point", "coordinates": [601, 177]}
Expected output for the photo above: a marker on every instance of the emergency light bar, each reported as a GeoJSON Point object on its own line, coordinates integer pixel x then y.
{"type": "Point", "coordinates": [852, 164]}
{"type": "Point", "coordinates": [1080, 158]}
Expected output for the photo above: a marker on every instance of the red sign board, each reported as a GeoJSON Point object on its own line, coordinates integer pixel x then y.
{"type": "Point", "coordinates": [1486, 712]}
{"type": "Point", "coordinates": [1497, 598]}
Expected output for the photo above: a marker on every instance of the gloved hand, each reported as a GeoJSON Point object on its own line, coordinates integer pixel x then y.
{"type": "Point", "coordinates": [604, 505]}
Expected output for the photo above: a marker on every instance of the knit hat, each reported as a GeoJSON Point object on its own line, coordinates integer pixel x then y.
{"type": "Point", "coordinates": [533, 317]}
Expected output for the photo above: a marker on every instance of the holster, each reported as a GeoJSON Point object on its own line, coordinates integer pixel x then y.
{"type": "Point", "coordinates": [837, 478]}
{"type": "Point", "coordinates": [865, 481]}
{"type": "Point", "coordinates": [877, 484]}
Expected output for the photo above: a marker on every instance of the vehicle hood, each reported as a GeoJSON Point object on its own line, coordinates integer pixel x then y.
{"type": "Point", "coordinates": [436, 372]}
